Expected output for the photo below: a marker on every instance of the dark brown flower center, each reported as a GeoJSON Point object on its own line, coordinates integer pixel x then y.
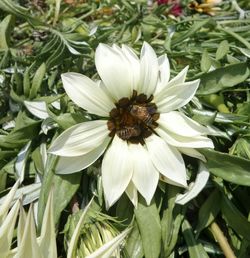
{"type": "Point", "coordinates": [133, 119]}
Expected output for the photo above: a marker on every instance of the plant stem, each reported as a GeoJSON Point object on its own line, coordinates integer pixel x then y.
{"type": "Point", "coordinates": [224, 245]}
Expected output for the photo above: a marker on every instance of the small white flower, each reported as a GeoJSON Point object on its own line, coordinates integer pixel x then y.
{"type": "Point", "coordinates": [141, 133]}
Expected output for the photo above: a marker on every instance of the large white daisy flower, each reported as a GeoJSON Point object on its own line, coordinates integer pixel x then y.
{"type": "Point", "coordinates": [140, 132]}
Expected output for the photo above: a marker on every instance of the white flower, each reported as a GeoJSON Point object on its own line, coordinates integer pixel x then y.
{"type": "Point", "coordinates": [141, 133]}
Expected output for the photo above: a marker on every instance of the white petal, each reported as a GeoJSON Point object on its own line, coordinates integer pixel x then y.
{"type": "Point", "coordinates": [131, 192]}
{"type": "Point", "coordinates": [192, 153]}
{"type": "Point", "coordinates": [167, 160]}
{"type": "Point", "coordinates": [180, 124]}
{"type": "Point", "coordinates": [149, 70]}
{"type": "Point", "coordinates": [86, 94]}
{"type": "Point", "coordinates": [68, 165]}
{"type": "Point", "coordinates": [145, 176]}
{"type": "Point", "coordinates": [182, 141]}
{"type": "Point", "coordinates": [196, 187]}
{"type": "Point", "coordinates": [116, 170]}
{"type": "Point", "coordinates": [179, 78]}
{"type": "Point", "coordinates": [164, 70]}
{"type": "Point", "coordinates": [176, 96]}
{"type": "Point", "coordinates": [114, 70]}
{"type": "Point", "coordinates": [134, 63]}
{"type": "Point", "coordinates": [80, 139]}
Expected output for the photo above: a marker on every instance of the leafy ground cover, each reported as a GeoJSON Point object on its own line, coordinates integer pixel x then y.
{"type": "Point", "coordinates": [40, 40]}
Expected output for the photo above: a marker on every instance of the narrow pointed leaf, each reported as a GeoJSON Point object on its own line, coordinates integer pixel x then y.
{"type": "Point", "coordinates": [76, 234]}
{"type": "Point", "coordinates": [48, 236]}
{"type": "Point", "coordinates": [107, 249]}
{"type": "Point", "coordinates": [7, 229]}
{"type": "Point", "coordinates": [29, 246]}
{"type": "Point", "coordinates": [6, 205]}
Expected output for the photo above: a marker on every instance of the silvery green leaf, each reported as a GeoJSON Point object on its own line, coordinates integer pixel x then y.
{"type": "Point", "coordinates": [29, 193]}
{"type": "Point", "coordinates": [48, 124]}
{"type": "Point", "coordinates": [76, 234]}
{"type": "Point", "coordinates": [28, 247]}
{"type": "Point", "coordinates": [6, 203]}
{"type": "Point", "coordinates": [37, 108]}
{"type": "Point", "coordinates": [21, 161]}
{"type": "Point", "coordinates": [7, 230]}
{"type": "Point", "coordinates": [47, 240]}
{"type": "Point", "coordinates": [107, 249]}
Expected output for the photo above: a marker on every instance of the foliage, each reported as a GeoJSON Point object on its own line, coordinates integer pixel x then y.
{"type": "Point", "coordinates": [39, 40]}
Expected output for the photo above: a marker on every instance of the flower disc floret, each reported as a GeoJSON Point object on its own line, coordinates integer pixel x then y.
{"type": "Point", "coordinates": [133, 119]}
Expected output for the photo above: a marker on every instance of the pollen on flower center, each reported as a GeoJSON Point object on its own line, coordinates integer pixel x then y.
{"type": "Point", "coordinates": [133, 119]}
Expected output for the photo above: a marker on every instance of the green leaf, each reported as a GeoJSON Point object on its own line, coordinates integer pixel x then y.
{"type": "Point", "coordinates": [195, 249]}
{"type": "Point", "coordinates": [13, 8]}
{"type": "Point", "coordinates": [37, 80]}
{"type": "Point", "coordinates": [228, 167]}
{"type": "Point", "coordinates": [17, 138]}
{"type": "Point", "coordinates": [209, 211]}
{"type": "Point", "coordinates": [64, 187]}
{"type": "Point", "coordinates": [205, 61]}
{"type": "Point", "coordinates": [5, 29]}
{"type": "Point", "coordinates": [195, 27]}
{"type": "Point", "coordinates": [26, 83]}
{"type": "Point", "coordinates": [222, 50]}
{"type": "Point", "coordinates": [149, 224]}
{"type": "Point", "coordinates": [222, 78]}
{"type": "Point", "coordinates": [133, 245]}
{"type": "Point", "coordinates": [235, 218]}
{"type": "Point", "coordinates": [171, 221]}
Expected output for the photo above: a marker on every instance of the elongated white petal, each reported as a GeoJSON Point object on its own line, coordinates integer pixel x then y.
{"type": "Point", "coordinates": [47, 241]}
{"type": "Point", "coordinates": [29, 246]}
{"type": "Point", "coordinates": [68, 165]}
{"type": "Point", "coordinates": [114, 70]}
{"type": "Point", "coordinates": [131, 192]}
{"type": "Point", "coordinates": [87, 94]}
{"type": "Point", "coordinates": [182, 141]}
{"type": "Point", "coordinates": [7, 230]}
{"type": "Point", "coordinates": [37, 108]}
{"type": "Point", "coordinates": [145, 176]}
{"type": "Point", "coordinates": [180, 124]}
{"type": "Point", "coordinates": [167, 160]}
{"type": "Point", "coordinates": [7, 202]}
{"type": "Point", "coordinates": [76, 233]}
{"type": "Point", "coordinates": [194, 188]}
{"type": "Point", "coordinates": [110, 247]}
{"type": "Point", "coordinates": [134, 63]}
{"type": "Point", "coordinates": [80, 139]}
{"type": "Point", "coordinates": [176, 96]}
{"type": "Point", "coordinates": [179, 78]}
{"type": "Point", "coordinates": [149, 70]}
{"type": "Point", "coordinates": [116, 170]}
{"type": "Point", "coordinates": [192, 153]}
{"type": "Point", "coordinates": [164, 73]}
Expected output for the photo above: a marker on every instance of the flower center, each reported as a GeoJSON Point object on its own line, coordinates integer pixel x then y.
{"type": "Point", "coordinates": [133, 119]}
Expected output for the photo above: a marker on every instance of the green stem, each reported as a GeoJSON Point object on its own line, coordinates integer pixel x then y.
{"type": "Point", "coordinates": [224, 245]}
